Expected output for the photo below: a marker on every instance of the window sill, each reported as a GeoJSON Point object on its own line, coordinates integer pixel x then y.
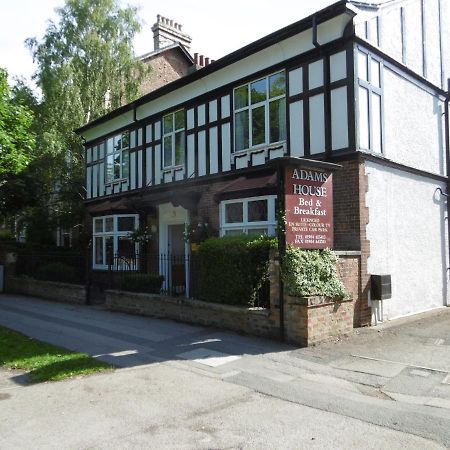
{"type": "Point", "coordinates": [266, 148]}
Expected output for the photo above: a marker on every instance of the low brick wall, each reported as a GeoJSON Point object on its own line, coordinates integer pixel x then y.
{"type": "Point", "coordinates": [61, 292]}
{"type": "Point", "coordinates": [255, 321]}
{"type": "Point", "coordinates": [310, 320]}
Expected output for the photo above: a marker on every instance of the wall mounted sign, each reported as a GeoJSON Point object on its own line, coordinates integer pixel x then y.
{"type": "Point", "coordinates": [309, 207]}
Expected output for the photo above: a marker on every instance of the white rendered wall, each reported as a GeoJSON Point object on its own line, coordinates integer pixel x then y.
{"type": "Point", "coordinates": [416, 42]}
{"type": "Point", "coordinates": [413, 125]}
{"type": "Point", "coordinates": [407, 233]}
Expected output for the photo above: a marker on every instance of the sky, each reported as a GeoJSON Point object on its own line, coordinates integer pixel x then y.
{"type": "Point", "coordinates": [216, 28]}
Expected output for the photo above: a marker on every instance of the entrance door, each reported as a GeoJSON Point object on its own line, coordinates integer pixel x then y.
{"type": "Point", "coordinates": [177, 259]}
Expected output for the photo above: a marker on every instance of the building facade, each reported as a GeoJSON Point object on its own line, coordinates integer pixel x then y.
{"type": "Point", "coordinates": [358, 84]}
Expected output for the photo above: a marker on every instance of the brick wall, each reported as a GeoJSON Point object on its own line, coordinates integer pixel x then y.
{"type": "Point", "coordinates": [351, 217]}
{"type": "Point", "coordinates": [255, 321]}
{"type": "Point", "coordinates": [166, 67]}
{"type": "Point", "coordinates": [316, 319]}
{"type": "Point", "coordinates": [61, 292]}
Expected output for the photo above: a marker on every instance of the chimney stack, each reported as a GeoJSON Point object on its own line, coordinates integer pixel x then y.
{"type": "Point", "coordinates": [167, 32]}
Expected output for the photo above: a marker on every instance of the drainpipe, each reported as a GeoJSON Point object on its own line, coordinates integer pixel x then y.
{"type": "Point", "coordinates": [447, 153]}
{"type": "Point", "coordinates": [314, 31]}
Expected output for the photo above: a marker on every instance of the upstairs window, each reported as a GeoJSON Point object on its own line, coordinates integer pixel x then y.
{"type": "Point", "coordinates": [174, 139]}
{"type": "Point", "coordinates": [118, 157]}
{"type": "Point", "coordinates": [260, 112]}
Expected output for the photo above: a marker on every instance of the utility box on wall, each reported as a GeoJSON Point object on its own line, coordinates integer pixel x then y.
{"type": "Point", "coordinates": [380, 287]}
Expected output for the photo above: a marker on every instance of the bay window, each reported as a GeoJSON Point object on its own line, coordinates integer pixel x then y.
{"type": "Point", "coordinates": [252, 216]}
{"type": "Point", "coordinates": [111, 241]}
{"type": "Point", "coordinates": [260, 112]}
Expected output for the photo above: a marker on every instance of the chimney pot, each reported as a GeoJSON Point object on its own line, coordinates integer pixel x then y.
{"type": "Point", "coordinates": [201, 63]}
{"type": "Point", "coordinates": [206, 61]}
{"type": "Point", "coordinates": [196, 58]}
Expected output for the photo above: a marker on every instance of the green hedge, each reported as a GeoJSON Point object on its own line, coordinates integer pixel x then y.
{"type": "Point", "coordinates": [148, 283]}
{"type": "Point", "coordinates": [311, 272]}
{"type": "Point", "coordinates": [231, 269]}
{"type": "Point", "coordinates": [57, 272]}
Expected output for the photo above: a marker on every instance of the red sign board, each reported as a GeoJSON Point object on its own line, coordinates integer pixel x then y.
{"type": "Point", "coordinates": [309, 207]}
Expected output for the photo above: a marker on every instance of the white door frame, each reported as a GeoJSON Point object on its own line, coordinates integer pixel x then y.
{"type": "Point", "coordinates": [171, 215]}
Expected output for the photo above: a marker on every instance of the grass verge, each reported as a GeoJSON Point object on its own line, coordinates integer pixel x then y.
{"type": "Point", "coordinates": [44, 362]}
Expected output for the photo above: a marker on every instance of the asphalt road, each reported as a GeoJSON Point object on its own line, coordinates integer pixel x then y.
{"type": "Point", "coordinates": [189, 387]}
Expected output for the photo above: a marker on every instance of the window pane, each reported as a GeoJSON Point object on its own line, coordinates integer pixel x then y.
{"type": "Point", "coordinates": [125, 223]}
{"type": "Point", "coordinates": [109, 168]}
{"type": "Point", "coordinates": [257, 211]}
{"type": "Point", "coordinates": [241, 97]}
{"type": "Point", "coordinates": [259, 125]}
{"type": "Point", "coordinates": [257, 231]}
{"type": "Point", "coordinates": [126, 140]}
{"type": "Point", "coordinates": [234, 213]}
{"type": "Point", "coordinates": [109, 224]}
{"type": "Point", "coordinates": [109, 145]}
{"type": "Point", "coordinates": [98, 252]}
{"type": "Point", "coordinates": [376, 123]}
{"type": "Point", "coordinates": [241, 130]}
{"type": "Point", "coordinates": [277, 84]}
{"type": "Point", "coordinates": [117, 142]}
{"type": "Point", "coordinates": [363, 118]}
{"type": "Point", "coordinates": [168, 123]}
{"type": "Point", "coordinates": [362, 66]}
{"type": "Point", "coordinates": [237, 232]}
{"type": "Point", "coordinates": [116, 166]}
{"type": "Point", "coordinates": [125, 163]}
{"type": "Point", "coordinates": [126, 248]}
{"type": "Point", "coordinates": [98, 225]}
{"type": "Point", "coordinates": [277, 119]}
{"type": "Point", "coordinates": [375, 73]}
{"type": "Point", "coordinates": [109, 245]}
{"type": "Point", "coordinates": [179, 120]}
{"type": "Point", "coordinates": [179, 148]}
{"type": "Point", "coordinates": [258, 91]}
{"type": "Point", "coordinates": [167, 151]}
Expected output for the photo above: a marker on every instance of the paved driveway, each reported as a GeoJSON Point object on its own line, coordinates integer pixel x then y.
{"type": "Point", "coordinates": [186, 386]}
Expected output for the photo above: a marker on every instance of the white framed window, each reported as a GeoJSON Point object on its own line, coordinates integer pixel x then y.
{"type": "Point", "coordinates": [253, 216]}
{"type": "Point", "coordinates": [260, 112]}
{"type": "Point", "coordinates": [117, 157]}
{"type": "Point", "coordinates": [370, 102]}
{"type": "Point", "coordinates": [174, 139]}
{"type": "Point", "coordinates": [111, 240]}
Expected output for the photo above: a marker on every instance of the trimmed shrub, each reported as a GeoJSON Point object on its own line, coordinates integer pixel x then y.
{"type": "Point", "coordinates": [57, 272]}
{"type": "Point", "coordinates": [233, 268]}
{"type": "Point", "coordinates": [148, 283]}
{"type": "Point", "coordinates": [311, 272]}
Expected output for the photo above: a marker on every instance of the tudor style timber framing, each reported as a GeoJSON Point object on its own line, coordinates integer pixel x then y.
{"type": "Point", "coordinates": [384, 127]}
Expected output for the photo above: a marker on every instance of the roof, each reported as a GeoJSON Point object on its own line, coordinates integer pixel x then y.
{"type": "Point", "coordinates": [291, 30]}
{"type": "Point", "coordinates": [175, 45]}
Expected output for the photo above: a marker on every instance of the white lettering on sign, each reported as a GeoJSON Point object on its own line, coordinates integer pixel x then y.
{"type": "Point", "coordinates": [317, 191]}
{"type": "Point", "coordinates": [309, 175]}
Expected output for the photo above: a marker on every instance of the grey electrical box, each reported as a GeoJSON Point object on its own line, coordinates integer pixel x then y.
{"type": "Point", "coordinates": [380, 287]}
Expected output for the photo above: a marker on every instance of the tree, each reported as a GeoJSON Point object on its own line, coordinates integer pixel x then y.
{"type": "Point", "coordinates": [16, 139]}
{"type": "Point", "coordinates": [85, 56]}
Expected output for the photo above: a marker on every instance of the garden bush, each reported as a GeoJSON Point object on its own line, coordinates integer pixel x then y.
{"type": "Point", "coordinates": [149, 283]}
{"type": "Point", "coordinates": [231, 269]}
{"type": "Point", "coordinates": [57, 272]}
{"type": "Point", "coordinates": [311, 272]}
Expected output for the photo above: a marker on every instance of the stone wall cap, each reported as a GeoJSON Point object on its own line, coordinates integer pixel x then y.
{"type": "Point", "coordinates": [316, 300]}
{"type": "Point", "coordinates": [192, 302]}
{"type": "Point", "coordinates": [347, 252]}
